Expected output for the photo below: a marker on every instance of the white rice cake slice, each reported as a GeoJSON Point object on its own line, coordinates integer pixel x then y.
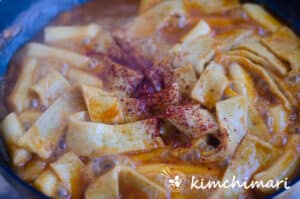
{"type": "Point", "coordinates": [41, 51]}
{"type": "Point", "coordinates": [68, 169]}
{"type": "Point", "coordinates": [200, 29]}
{"type": "Point", "coordinates": [63, 33]}
{"type": "Point", "coordinates": [192, 120]}
{"type": "Point", "coordinates": [254, 45]}
{"type": "Point", "coordinates": [285, 167]}
{"type": "Point", "coordinates": [228, 113]}
{"type": "Point", "coordinates": [12, 130]}
{"type": "Point", "coordinates": [94, 139]}
{"type": "Point", "coordinates": [47, 183]}
{"type": "Point", "coordinates": [110, 184]}
{"type": "Point", "coordinates": [261, 16]}
{"type": "Point", "coordinates": [214, 6]}
{"type": "Point", "coordinates": [77, 77]}
{"type": "Point", "coordinates": [197, 52]}
{"type": "Point", "coordinates": [20, 98]}
{"type": "Point", "coordinates": [251, 155]}
{"type": "Point", "coordinates": [186, 78]}
{"type": "Point", "coordinates": [102, 106]}
{"type": "Point", "coordinates": [285, 44]}
{"type": "Point", "coordinates": [211, 85]}
{"type": "Point", "coordinates": [45, 133]}
{"type": "Point", "coordinates": [50, 87]}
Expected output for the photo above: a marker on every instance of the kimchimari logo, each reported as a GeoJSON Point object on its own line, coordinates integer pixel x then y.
{"type": "Point", "coordinates": [234, 182]}
{"type": "Point", "coordinates": [176, 181]}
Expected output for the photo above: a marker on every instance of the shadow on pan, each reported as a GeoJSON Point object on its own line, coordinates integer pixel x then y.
{"type": "Point", "coordinates": [24, 19]}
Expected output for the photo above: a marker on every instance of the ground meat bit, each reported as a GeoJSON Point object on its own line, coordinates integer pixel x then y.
{"type": "Point", "coordinates": [26, 126]}
{"type": "Point", "coordinates": [102, 165]}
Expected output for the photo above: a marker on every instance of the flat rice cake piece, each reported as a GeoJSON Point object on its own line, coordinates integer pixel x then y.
{"type": "Point", "coordinates": [141, 37]}
{"type": "Point", "coordinates": [249, 55]}
{"type": "Point", "coordinates": [11, 131]}
{"type": "Point", "coordinates": [123, 80]}
{"type": "Point", "coordinates": [92, 139]}
{"type": "Point", "coordinates": [44, 135]}
{"type": "Point", "coordinates": [30, 171]}
{"type": "Point", "coordinates": [192, 120]}
{"type": "Point", "coordinates": [80, 38]}
{"type": "Point", "coordinates": [19, 156]}
{"type": "Point", "coordinates": [285, 167]}
{"type": "Point", "coordinates": [261, 72]}
{"type": "Point", "coordinates": [262, 17]}
{"type": "Point", "coordinates": [106, 107]}
{"type": "Point", "coordinates": [103, 42]}
{"type": "Point", "coordinates": [76, 77]}
{"type": "Point", "coordinates": [84, 137]}
{"type": "Point", "coordinates": [50, 87]}
{"type": "Point", "coordinates": [200, 29]}
{"type": "Point", "coordinates": [232, 38]}
{"type": "Point", "coordinates": [140, 185]}
{"type": "Point", "coordinates": [102, 106]}
{"type": "Point", "coordinates": [242, 82]}
{"type": "Point", "coordinates": [41, 51]}
{"type": "Point", "coordinates": [148, 23]}
{"type": "Point", "coordinates": [280, 120]}
{"type": "Point", "coordinates": [211, 85]}
{"type": "Point", "coordinates": [48, 183]}
{"type": "Point", "coordinates": [98, 166]}
{"type": "Point", "coordinates": [134, 109]}
{"type": "Point", "coordinates": [141, 135]}
{"type": "Point", "coordinates": [197, 53]}
{"type": "Point", "coordinates": [186, 78]}
{"type": "Point", "coordinates": [294, 59]}
{"type": "Point", "coordinates": [65, 33]}
{"type": "Point", "coordinates": [218, 22]}
{"type": "Point", "coordinates": [290, 84]}
{"type": "Point", "coordinates": [20, 99]}
{"type": "Point", "coordinates": [256, 125]}
{"type": "Point", "coordinates": [105, 186]}
{"type": "Point", "coordinates": [253, 45]}
{"type": "Point", "coordinates": [284, 88]}
{"type": "Point", "coordinates": [232, 132]}
{"type": "Point", "coordinates": [68, 169]}
{"type": "Point", "coordinates": [28, 118]}
{"type": "Point", "coordinates": [251, 155]}
{"type": "Point", "coordinates": [214, 6]}
{"type": "Point", "coordinates": [286, 45]}
{"type": "Point", "coordinates": [121, 179]}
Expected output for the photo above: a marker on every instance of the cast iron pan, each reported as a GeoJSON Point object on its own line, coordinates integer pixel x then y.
{"type": "Point", "coordinates": [25, 18]}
